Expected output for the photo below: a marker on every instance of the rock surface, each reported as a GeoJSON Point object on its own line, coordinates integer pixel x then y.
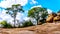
{"type": "Point", "coordinates": [47, 28]}
{"type": "Point", "coordinates": [53, 18]}
{"type": "Point", "coordinates": [57, 18]}
{"type": "Point", "coordinates": [50, 17]}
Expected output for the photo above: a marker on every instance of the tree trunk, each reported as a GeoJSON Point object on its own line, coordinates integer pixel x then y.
{"type": "Point", "coordinates": [14, 21]}
{"type": "Point", "coordinates": [15, 13]}
{"type": "Point", "coordinates": [18, 23]}
{"type": "Point", "coordinates": [37, 21]}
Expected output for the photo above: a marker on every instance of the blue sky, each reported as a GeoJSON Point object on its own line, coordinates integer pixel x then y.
{"type": "Point", "coordinates": [53, 5]}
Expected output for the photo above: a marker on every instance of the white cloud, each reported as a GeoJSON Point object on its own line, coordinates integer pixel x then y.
{"type": "Point", "coordinates": [19, 16]}
{"type": "Point", "coordinates": [49, 11]}
{"type": "Point", "coordinates": [27, 18]}
{"type": "Point", "coordinates": [36, 6]}
{"type": "Point", "coordinates": [33, 2]}
{"type": "Point", "coordinates": [7, 17]}
{"type": "Point", "coordinates": [32, 20]}
{"type": "Point", "coordinates": [8, 3]}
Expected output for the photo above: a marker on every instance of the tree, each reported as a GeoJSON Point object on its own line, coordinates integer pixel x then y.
{"type": "Point", "coordinates": [13, 11]}
{"type": "Point", "coordinates": [5, 24]}
{"type": "Point", "coordinates": [38, 13]}
{"type": "Point", "coordinates": [27, 23]}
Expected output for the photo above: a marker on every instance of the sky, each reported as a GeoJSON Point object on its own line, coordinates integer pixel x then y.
{"type": "Point", "coordinates": [51, 5]}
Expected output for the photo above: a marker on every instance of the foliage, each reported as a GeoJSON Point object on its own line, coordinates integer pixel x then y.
{"type": "Point", "coordinates": [27, 23]}
{"type": "Point", "coordinates": [37, 13]}
{"type": "Point", "coordinates": [5, 24]}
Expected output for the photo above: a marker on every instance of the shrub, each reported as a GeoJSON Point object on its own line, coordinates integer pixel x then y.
{"type": "Point", "coordinates": [27, 23]}
{"type": "Point", "coordinates": [5, 24]}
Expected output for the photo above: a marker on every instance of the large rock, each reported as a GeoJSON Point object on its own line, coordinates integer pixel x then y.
{"type": "Point", "coordinates": [58, 14]}
{"type": "Point", "coordinates": [57, 18]}
{"type": "Point", "coordinates": [50, 17]}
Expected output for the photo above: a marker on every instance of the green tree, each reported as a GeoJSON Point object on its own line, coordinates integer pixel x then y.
{"type": "Point", "coordinates": [5, 24]}
{"type": "Point", "coordinates": [13, 11]}
{"type": "Point", "coordinates": [27, 23]}
{"type": "Point", "coordinates": [37, 13]}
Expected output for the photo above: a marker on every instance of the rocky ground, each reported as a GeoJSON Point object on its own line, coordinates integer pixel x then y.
{"type": "Point", "coordinates": [47, 28]}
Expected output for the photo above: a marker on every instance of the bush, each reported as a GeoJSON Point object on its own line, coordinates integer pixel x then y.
{"type": "Point", "coordinates": [27, 23]}
{"type": "Point", "coordinates": [5, 24]}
